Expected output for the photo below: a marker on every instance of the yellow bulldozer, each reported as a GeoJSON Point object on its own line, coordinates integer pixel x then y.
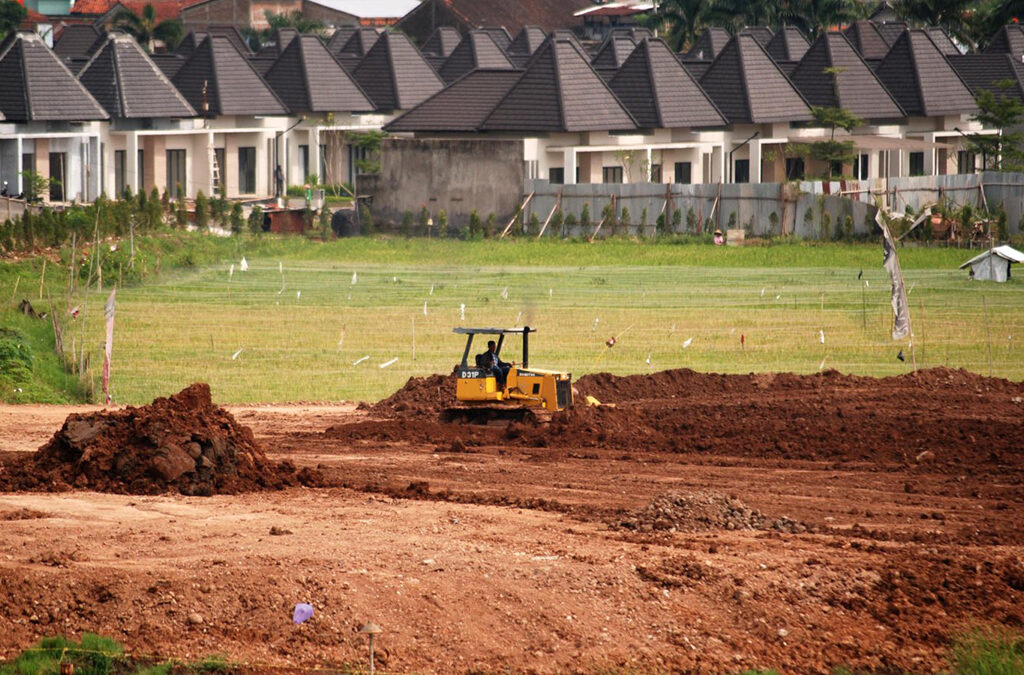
{"type": "Point", "coordinates": [527, 394]}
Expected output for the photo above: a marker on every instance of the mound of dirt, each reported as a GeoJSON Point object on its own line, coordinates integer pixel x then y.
{"type": "Point", "coordinates": [702, 511]}
{"type": "Point", "coordinates": [420, 397]}
{"type": "Point", "coordinates": [183, 443]}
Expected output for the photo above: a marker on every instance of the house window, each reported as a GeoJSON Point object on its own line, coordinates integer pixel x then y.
{"type": "Point", "coordinates": [611, 174]}
{"type": "Point", "coordinates": [794, 168]}
{"type": "Point", "coordinates": [531, 169]}
{"type": "Point", "coordinates": [58, 175]}
{"type": "Point", "coordinates": [556, 176]}
{"type": "Point", "coordinates": [28, 161]}
{"type": "Point", "coordinates": [655, 173]}
{"type": "Point", "coordinates": [684, 173]}
{"type": "Point", "coordinates": [120, 162]}
{"type": "Point", "coordinates": [860, 168]}
{"type": "Point", "coordinates": [247, 171]}
{"type": "Point", "coordinates": [219, 157]}
{"type": "Point", "coordinates": [965, 162]}
{"type": "Point", "coordinates": [836, 169]}
{"type": "Point", "coordinates": [742, 171]}
{"type": "Point", "coordinates": [176, 172]}
{"type": "Point", "coordinates": [323, 163]}
{"type": "Point", "coordinates": [304, 162]}
{"type": "Point", "coordinates": [917, 164]}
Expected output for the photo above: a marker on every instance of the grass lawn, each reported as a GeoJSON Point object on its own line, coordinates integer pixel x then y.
{"type": "Point", "coordinates": [298, 324]}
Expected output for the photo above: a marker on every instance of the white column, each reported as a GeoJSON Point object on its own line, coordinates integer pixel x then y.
{"type": "Point", "coordinates": [314, 151]}
{"type": "Point", "coordinates": [569, 166]}
{"type": "Point", "coordinates": [17, 189]}
{"type": "Point", "coordinates": [650, 159]}
{"type": "Point", "coordinates": [755, 161]}
{"type": "Point", "coordinates": [209, 158]}
{"type": "Point", "coordinates": [132, 170]}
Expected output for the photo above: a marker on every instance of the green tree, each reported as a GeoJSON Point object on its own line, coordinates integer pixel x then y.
{"type": "Point", "coordinates": [1002, 111]}
{"type": "Point", "coordinates": [953, 15]}
{"type": "Point", "coordinates": [275, 21]}
{"type": "Point", "coordinates": [11, 15]}
{"type": "Point", "coordinates": [256, 220]}
{"type": "Point", "coordinates": [681, 21]}
{"type": "Point", "coordinates": [816, 16]}
{"type": "Point", "coordinates": [145, 29]}
{"type": "Point", "coordinates": [832, 152]}
{"type": "Point", "coordinates": [237, 221]}
{"type": "Point", "coordinates": [202, 211]}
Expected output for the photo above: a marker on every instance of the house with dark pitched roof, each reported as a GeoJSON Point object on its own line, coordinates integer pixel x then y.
{"type": "Point", "coordinates": [525, 43]}
{"type": "Point", "coordinates": [937, 102]}
{"type": "Point", "coordinates": [350, 52]}
{"type": "Point", "coordinates": [141, 102]}
{"type": "Point", "coordinates": [465, 15]}
{"type": "Point", "coordinates": [760, 104]}
{"type": "Point", "coordinates": [787, 46]}
{"type": "Point", "coordinates": [476, 50]}
{"type": "Point", "coordinates": [868, 40]}
{"type": "Point", "coordinates": [51, 123]}
{"type": "Point", "coordinates": [440, 45]}
{"type": "Point", "coordinates": [395, 75]}
{"type": "Point", "coordinates": [707, 46]}
{"type": "Point", "coordinates": [232, 149]}
{"type": "Point", "coordinates": [330, 105]}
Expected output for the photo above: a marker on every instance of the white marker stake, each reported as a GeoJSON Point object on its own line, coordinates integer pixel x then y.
{"type": "Point", "coordinates": [235, 355]}
{"type": "Point", "coordinates": [867, 283]}
{"type": "Point", "coordinates": [551, 292]}
{"type": "Point", "coordinates": [518, 317]}
{"type": "Point", "coordinates": [597, 320]}
{"type": "Point", "coordinates": [394, 280]}
{"type": "Point", "coordinates": [389, 363]}
{"type": "Point", "coordinates": [280, 267]}
{"type": "Point", "coordinates": [648, 361]}
{"type": "Point", "coordinates": [424, 308]}
{"type": "Point", "coordinates": [355, 278]}
{"type": "Point", "coordinates": [821, 366]}
{"type": "Point", "coordinates": [778, 297]}
{"type": "Point", "coordinates": [821, 336]}
{"type": "Point", "coordinates": [244, 265]}
{"type": "Point", "coordinates": [688, 342]}
{"type": "Point", "coordinates": [462, 312]}
{"type": "Point", "coordinates": [762, 292]}
{"type": "Point", "coordinates": [431, 289]}
{"type": "Point", "coordinates": [358, 361]}
{"type": "Point", "coordinates": [298, 295]}
{"type": "Point", "coordinates": [504, 293]}
{"type": "Point", "coordinates": [231, 271]}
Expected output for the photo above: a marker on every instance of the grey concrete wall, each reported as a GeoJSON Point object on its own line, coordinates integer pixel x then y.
{"type": "Point", "coordinates": [810, 210]}
{"type": "Point", "coordinates": [455, 175]}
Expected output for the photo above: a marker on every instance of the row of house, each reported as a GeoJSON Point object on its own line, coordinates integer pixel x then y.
{"type": "Point", "coordinates": [97, 113]}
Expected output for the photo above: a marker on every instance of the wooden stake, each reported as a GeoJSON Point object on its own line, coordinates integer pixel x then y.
{"type": "Point", "coordinates": [15, 292]}
{"type": "Point", "coordinates": [590, 239]}
{"type": "Point", "coordinates": [558, 202]}
{"type": "Point", "coordinates": [42, 279]}
{"type": "Point", "coordinates": [988, 333]}
{"type": "Point", "coordinates": [522, 212]}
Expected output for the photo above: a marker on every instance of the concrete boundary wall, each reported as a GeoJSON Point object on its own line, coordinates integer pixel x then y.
{"type": "Point", "coordinates": [810, 210]}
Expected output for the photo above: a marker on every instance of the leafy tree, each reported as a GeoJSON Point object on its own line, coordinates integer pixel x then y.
{"type": "Point", "coordinates": [832, 152]}
{"type": "Point", "coordinates": [145, 29]}
{"type": "Point", "coordinates": [681, 21]}
{"type": "Point", "coordinates": [202, 211]}
{"type": "Point", "coordinates": [258, 38]}
{"type": "Point", "coordinates": [816, 16]}
{"type": "Point", "coordinates": [256, 220]}
{"type": "Point", "coordinates": [949, 14]}
{"type": "Point", "coordinates": [11, 15]}
{"type": "Point", "coordinates": [1003, 151]}
{"type": "Point", "coordinates": [237, 221]}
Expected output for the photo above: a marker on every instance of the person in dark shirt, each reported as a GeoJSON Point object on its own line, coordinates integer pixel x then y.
{"type": "Point", "coordinates": [493, 362]}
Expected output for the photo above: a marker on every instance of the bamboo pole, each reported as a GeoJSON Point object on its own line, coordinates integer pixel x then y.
{"type": "Point", "coordinates": [521, 211]}
{"type": "Point", "coordinates": [558, 202]}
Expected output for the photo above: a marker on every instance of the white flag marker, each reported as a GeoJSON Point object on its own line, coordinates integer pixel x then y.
{"type": "Point", "coordinates": [424, 308]}
{"type": "Point", "coordinates": [462, 312]}
{"type": "Point", "coordinates": [504, 293]}
{"type": "Point", "coordinates": [231, 271]}
{"type": "Point", "coordinates": [687, 342]}
{"type": "Point", "coordinates": [389, 363]}
{"type": "Point", "coordinates": [431, 289]}
{"type": "Point", "coordinates": [298, 295]}
{"type": "Point", "coordinates": [821, 336]}
{"type": "Point", "coordinates": [235, 355]}
{"type": "Point", "coordinates": [355, 278]}
{"type": "Point", "coordinates": [648, 361]}
{"type": "Point", "coordinates": [358, 361]}
{"type": "Point", "coordinates": [244, 265]}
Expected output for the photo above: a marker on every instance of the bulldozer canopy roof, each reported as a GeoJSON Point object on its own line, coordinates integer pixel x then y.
{"type": "Point", "coordinates": [493, 331]}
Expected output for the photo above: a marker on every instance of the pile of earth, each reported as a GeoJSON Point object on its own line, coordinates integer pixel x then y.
{"type": "Point", "coordinates": [420, 397]}
{"type": "Point", "coordinates": [183, 443]}
{"type": "Point", "coordinates": [702, 511]}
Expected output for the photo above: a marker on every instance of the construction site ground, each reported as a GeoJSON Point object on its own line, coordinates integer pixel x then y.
{"type": "Point", "coordinates": [699, 523]}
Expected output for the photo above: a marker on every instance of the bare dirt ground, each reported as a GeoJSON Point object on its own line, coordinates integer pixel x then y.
{"type": "Point", "coordinates": [705, 523]}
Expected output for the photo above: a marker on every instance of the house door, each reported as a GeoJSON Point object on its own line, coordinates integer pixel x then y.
{"type": "Point", "coordinates": [58, 175]}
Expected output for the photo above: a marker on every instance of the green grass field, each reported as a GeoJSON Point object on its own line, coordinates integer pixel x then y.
{"type": "Point", "coordinates": [302, 334]}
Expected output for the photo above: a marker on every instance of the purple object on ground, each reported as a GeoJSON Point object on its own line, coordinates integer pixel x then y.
{"type": "Point", "coordinates": [303, 611]}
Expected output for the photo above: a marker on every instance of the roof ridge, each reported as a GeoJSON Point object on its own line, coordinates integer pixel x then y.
{"type": "Point", "coordinates": [304, 68]}
{"type": "Point", "coordinates": [119, 93]}
{"type": "Point", "coordinates": [558, 83]}
{"type": "Point", "coordinates": [654, 80]}
{"type": "Point", "coordinates": [161, 75]}
{"type": "Point", "coordinates": [24, 77]}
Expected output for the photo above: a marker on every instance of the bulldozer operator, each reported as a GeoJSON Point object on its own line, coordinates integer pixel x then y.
{"type": "Point", "coordinates": [491, 361]}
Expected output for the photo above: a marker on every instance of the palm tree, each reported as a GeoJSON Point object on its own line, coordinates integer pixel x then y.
{"type": "Point", "coordinates": [683, 20]}
{"type": "Point", "coordinates": [145, 29]}
{"type": "Point", "coordinates": [949, 14]}
{"type": "Point", "coordinates": [817, 16]}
